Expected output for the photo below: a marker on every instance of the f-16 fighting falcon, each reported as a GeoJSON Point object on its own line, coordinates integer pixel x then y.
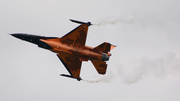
{"type": "Point", "coordinates": [71, 49]}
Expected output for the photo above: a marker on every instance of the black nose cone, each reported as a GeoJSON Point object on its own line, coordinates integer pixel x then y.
{"type": "Point", "coordinates": [26, 37]}
{"type": "Point", "coordinates": [19, 36]}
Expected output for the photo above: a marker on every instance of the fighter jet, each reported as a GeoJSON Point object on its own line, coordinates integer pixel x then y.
{"type": "Point", "coordinates": [71, 49]}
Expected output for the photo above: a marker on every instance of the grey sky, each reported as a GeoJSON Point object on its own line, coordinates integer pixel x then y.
{"type": "Point", "coordinates": [144, 66]}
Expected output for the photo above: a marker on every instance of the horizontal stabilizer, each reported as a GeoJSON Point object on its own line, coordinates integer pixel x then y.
{"type": "Point", "coordinates": [70, 76]}
{"type": "Point", "coordinates": [100, 66]}
{"type": "Point", "coordinates": [79, 22]}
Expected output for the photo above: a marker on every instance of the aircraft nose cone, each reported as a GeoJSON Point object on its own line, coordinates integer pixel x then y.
{"type": "Point", "coordinates": [19, 36]}
{"type": "Point", "coordinates": [26, 37]}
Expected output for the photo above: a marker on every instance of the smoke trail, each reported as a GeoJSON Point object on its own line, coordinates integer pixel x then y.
{"type": "Point", "coordinates": [131, 77]}
{"type": "Point", "coordinates": [114, 20]}
{"type": "Point", "coordinates": [168, 64]}
{"type": "Point", "coordinates": [141, 19]}
{"type": "Point", "coordinates": [103, 78]}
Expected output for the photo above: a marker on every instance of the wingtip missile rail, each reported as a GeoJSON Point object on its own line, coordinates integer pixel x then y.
{"type": "Point", "coordinates": [80, 22]}
{"type": "Point", "coordinates": [69, 76]}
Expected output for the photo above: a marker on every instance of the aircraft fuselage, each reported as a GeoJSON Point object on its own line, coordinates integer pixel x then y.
{"type": "Point", "coordinates": [55, 45]}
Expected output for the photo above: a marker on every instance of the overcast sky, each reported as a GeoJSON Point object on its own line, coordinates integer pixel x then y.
{"type": "Point", "coordinates": [145, 65]}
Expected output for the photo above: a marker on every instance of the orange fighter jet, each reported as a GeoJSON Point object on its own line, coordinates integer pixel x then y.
{"type": "Point", "coordinates": [71, 49]}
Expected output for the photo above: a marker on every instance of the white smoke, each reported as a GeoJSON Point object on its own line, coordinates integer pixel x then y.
{"type": "Point", "coordinates": [102, 78]}
{"type": "Point", "coordinates": [115, 20]}
{"type": "Point", "coordinates": [143, 20]}
{"type": "Point", "coordinates": [168, 64]}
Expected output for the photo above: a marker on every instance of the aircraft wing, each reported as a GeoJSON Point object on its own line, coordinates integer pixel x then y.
{"type": "Point", "coordinates": [72, 64]}
{"type": "Point", "coordinates": [76, 37]}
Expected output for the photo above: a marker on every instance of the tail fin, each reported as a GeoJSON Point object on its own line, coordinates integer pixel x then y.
{"type": "Point", "coordinates": [100, 66]}
{"type": "Point", "coordinates": [105, 47]}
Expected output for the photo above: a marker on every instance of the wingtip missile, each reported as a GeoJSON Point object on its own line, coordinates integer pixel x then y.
{"type": "Point", "coordinates": [80, 22]}
{"type": "Point", "coordinates": [79, 79]}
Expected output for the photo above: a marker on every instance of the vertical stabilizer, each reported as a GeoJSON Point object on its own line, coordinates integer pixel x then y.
{"type": "Point", "coordinates": [105, 47]}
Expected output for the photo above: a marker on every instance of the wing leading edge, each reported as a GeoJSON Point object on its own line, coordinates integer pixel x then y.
{"type": "Point", "coordinates": [76, 37]}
